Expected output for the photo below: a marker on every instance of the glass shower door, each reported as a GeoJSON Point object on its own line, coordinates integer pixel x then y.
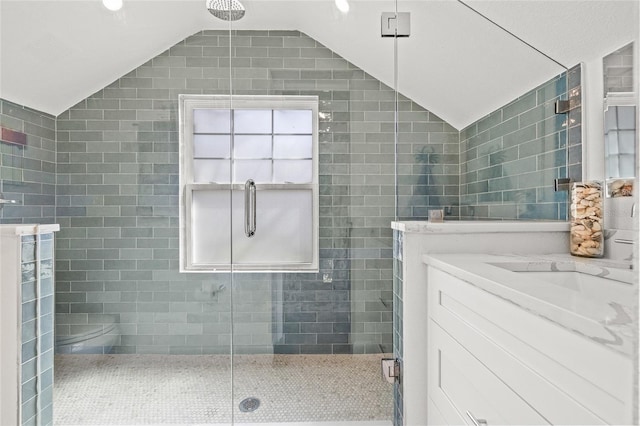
{"type": "Point", "coordinates": [307, 344]}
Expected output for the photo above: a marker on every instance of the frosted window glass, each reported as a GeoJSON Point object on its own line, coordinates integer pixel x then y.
{"type": "Point", "coordinates": [612, 166]}
{"type": "Point", "coordinates": [627, 141]}
{"type": "Point", "coordinates": [626, 117]}
{"type": "Point", "coordinates": [211, 146]}
{"type": "Point", "coordinates": [252, 121]}
{"type": "Point", "coordinates": [211, 121]}
{"type": "Point", "coordinates": [292, 146]}
{"type": "Point", "coordinates": [612, 142]}
{"type": "Point", "coordinates": [295, 171]}
{"type": "Point", "coordinates": [611, 118]}
{"type": "Point", "coordinates": [284, 228]}
{"type": "Point", "coordinates": [627, 166]}
{"type": "Point", "coordinates": [210, 244]}
{"type": "Point", "coordinates": [292, 121]}
{"type": "Point", "coordinates": [211, 171]}
{"type": "Point", "coordinates": [252, 146]}
{"type": "Point", "coordinates": [258, 170]}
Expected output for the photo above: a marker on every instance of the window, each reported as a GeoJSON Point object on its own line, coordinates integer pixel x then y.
{"type": "Point", "coordinates": [620, 140]}
{"type": "Point", "coordinates": [246, 157]}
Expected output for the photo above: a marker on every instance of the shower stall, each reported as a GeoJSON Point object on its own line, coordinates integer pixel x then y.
{"type": "Point", "coordinates": [158, 212]}
{"type": "Point", "coordinates": [225, 254]}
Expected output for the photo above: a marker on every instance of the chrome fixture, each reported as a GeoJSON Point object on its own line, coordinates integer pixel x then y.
{"type": "Point", "coordinates": [250, 208]}
{"type": "Point", "coordinates": [394, 24]}
{"type": "Point", "coordinates": [3, 201]}
{"type": "Point", "coordinates": [390, 369]}
{"type": "Point", "coordinates": [250, 404]}
{"type": "Point", "coordinates": [562, 184]}
{"type": "Point", "coordinates": [227, 10]}
{"type": "Point", "coordinates": [562, 106]}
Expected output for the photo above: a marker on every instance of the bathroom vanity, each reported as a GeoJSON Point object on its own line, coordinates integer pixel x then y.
{"type": "Point", "coordinates": [529, 340]}
{"type": "Point", "coordinates": [532, 337]}
{"type": "Point", "coordinates": [26, 324]}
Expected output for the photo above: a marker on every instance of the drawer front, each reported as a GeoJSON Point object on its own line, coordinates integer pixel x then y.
{"type": "Point", "coordinates": [465, 387]}
{"type": "Point", "coordinates": [499, 335]}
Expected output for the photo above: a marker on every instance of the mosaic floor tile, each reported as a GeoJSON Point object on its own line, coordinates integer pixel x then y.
{"type": "Point", "coordinates": [197, 389]}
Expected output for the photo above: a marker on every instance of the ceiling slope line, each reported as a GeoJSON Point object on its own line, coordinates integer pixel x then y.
{"type": "Point", "coordinates": [513, 35]}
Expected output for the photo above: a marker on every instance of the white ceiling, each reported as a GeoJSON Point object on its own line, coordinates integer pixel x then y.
{"type": "Point", "coordinates": [456, 64]}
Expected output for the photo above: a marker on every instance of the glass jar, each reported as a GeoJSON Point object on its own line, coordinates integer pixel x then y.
{"type": "Point", "coordinates": [587, 226]}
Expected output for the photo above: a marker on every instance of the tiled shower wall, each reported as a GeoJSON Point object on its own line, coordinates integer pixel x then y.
{"type": "Point", "coordinates": [509, 159]}
{"type": "Point", "coordinates": [27, 173]}
{"type": "Point", "coordinates": [117, 204]}
{"type": "Point", "coordinates": [117, 199]}
{"type": "Point", "coordinates": [618, 70]}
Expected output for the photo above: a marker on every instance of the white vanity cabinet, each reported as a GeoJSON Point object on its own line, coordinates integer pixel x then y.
{"type": "Point", "coordinates": [26, 324]}
{"type": "Point", "coordinates": [491, 360]}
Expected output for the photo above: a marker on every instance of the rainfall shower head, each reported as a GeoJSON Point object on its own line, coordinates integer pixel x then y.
{"type": "Point", "coordinates": [227, 10]}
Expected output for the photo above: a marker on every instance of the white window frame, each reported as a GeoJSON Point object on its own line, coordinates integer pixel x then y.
{"type": "Point", "coordinates": [189, 103]}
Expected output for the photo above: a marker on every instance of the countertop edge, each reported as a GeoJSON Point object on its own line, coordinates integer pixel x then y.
{"type": "Point", "coordinates": [478, 227]}
{"type": "Point", "coordinates": [28, 229]}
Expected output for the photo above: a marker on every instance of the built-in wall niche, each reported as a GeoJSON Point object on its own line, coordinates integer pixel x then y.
{"type": "Point", "coordinates": [620, 127]}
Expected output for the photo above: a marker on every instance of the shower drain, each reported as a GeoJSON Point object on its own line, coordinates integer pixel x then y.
{"type": "Point", "coordinates": [250, 404]}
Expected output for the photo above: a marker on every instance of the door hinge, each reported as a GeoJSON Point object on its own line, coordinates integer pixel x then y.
{"type": "Point", "coordinates": [391, 369]}
{"type": "Point", "coordinates": [394, 24]}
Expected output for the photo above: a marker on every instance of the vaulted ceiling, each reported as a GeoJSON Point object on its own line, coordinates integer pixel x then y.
{"type": "Point", "coordinates": [455, 63]}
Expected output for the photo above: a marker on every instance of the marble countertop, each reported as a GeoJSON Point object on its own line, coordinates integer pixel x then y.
{"type": "Point", "coordinates": [600, 311]}
{"type": "Point", "coordinates": [478, 226]}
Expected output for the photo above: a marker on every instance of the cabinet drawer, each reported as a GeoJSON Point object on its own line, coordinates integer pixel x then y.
{"type": "Point", "coordinates": [464, 387]}
{"type": "Point", "coordinates": [529, 354]}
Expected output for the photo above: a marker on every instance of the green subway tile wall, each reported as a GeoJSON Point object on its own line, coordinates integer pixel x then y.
{"type": "Point", "coordinates": [27, 173]}
{"type": "Point", "coordinates": [618, 70]}
{"type": "Point", "coordinates": [118, 207]}
{"type": "Point", "coordinates": [509, 159]}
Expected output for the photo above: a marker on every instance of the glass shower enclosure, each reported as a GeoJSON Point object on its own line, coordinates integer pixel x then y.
{"type": "Point", "coordinates": [297, 145]}
{"type": "Point", "coordinates": [225, 206]}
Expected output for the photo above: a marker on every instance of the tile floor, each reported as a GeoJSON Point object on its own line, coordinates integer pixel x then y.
{"type": "Point", "coordinates": [196, 389]}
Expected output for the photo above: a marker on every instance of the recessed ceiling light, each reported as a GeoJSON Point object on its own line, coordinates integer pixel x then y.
{"type": "Point", "coordinates": [342, 5]}
{"type": "Point", "coordinates": [112, 5]}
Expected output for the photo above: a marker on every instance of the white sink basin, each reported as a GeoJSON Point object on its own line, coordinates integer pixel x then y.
{"type": "Point", "coordinates": [592, 291]}
{"type": "Point", "coordinates": [576, 281]}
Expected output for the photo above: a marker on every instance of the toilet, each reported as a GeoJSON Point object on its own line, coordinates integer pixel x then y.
{"type": "Point", "coordinates": [97, 339]}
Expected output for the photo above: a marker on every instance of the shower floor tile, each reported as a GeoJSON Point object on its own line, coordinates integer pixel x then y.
{"type": "Point", "coordinates": [196, 389]}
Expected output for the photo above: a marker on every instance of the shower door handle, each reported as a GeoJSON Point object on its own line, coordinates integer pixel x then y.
{"type": "Point", "coordinates": [250, 208]}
